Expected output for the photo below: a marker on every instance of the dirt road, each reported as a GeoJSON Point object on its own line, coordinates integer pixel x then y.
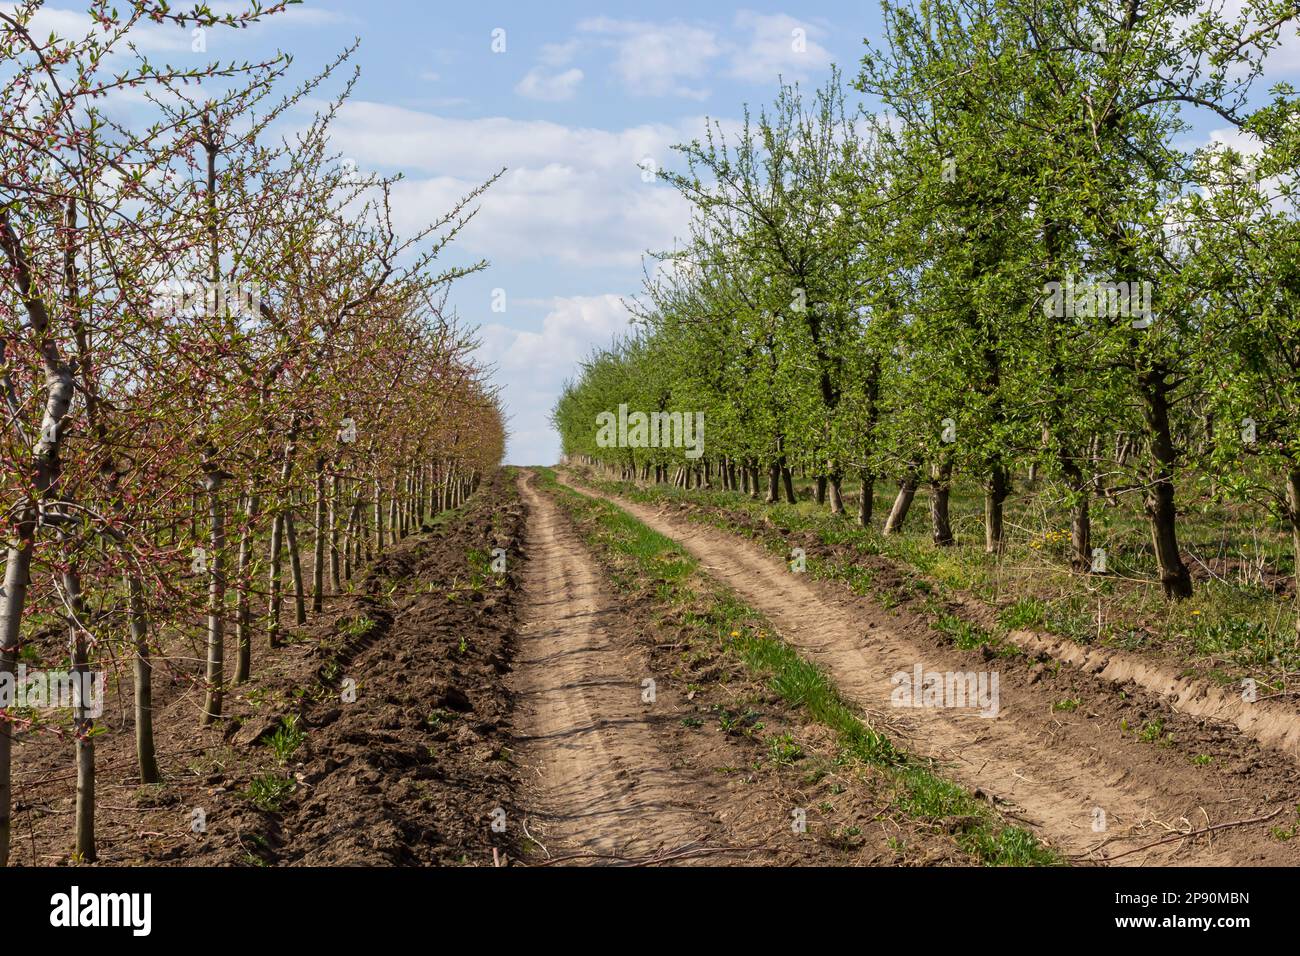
{"type": "Point", "coordinates": [1087, 786]}
{"type": "Point", "coordinates": [589, 745]}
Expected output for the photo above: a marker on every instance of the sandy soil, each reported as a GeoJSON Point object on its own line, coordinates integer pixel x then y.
{"type": "Point", "coordinates": [587, 741]}
{"type": "Point", "coordinates": [1056, 771]}
{"type": "Point", "coordinates": [690, 777]}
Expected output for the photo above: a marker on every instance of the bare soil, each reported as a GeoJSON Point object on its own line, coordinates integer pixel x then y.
{"type": "Point", "coordinates": [611, 777]}
{"type": "Point", "coordinates": [408, 773]}
{"type": "Point", "coordinates": [512, 698]}
{"type": "Point", "coordinates": [1066, 745]}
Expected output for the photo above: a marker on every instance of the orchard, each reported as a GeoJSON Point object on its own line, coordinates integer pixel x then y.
{"type": "Point", "coordinates": [227, 380]}
{"type": "Point", "coordinates": [1011, 274]}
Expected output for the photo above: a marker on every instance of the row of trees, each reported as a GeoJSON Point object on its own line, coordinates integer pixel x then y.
{"type": "Point", "coordinates": [1016, 263]}
{"type": "Point", "coordinates": [212, 340]}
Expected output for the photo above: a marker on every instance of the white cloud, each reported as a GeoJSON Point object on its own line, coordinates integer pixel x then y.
{"type": "Point", "coordinates": [571, 329]}
{"type": "Point", "coordinates": [310, 16]}
{"type": "Point", "coordinates": [776, 45]}
{"type": "Point", "coordinates": [538, 85]}
{"type": "Point", "coordinates": [559, 54]}
{"type": "Point", "coordinates": [1250, 148]}
{"type": "Point", "coordinates": [570, 195]}
{"type": "Point", "coordinates": [532, 366]}
{"type": "Point", "coordinates": [1243, 142]}
{"type": "Point", "coordinates": [658, 59]}
{"type": "Point", "coordinates": [381, 134]}
{"type": "Point", "coordinates": [75, 24]}
{"type": "Point", "coordinates": [1284, 59]}
{"type": "Point", "coordinates": [557, 213]}
{"type": "Point", "coordinates": [571, 203]}
{"type": "Point", "coordinates": [675, 58]}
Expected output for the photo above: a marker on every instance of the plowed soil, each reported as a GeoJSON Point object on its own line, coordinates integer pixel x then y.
{"type": "Point", "coordinates": [408, 773]}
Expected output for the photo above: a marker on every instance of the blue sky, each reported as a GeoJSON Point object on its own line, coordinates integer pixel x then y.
{"type": "Point", "coordinates": [581, 96]}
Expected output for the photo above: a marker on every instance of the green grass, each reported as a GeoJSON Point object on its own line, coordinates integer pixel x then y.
{"type": "Point", "coordinates": [286, 740]}
{"type": "Point", "coordinates": [357, 627]}
{"type": "Point", "coordinates": [267, 791]}
{"type": "Point", "coordinates": [922, 792]}
{"type": "Point", "coordinates": [1026, 612]}
{"type": "Point", "coordinates": [480, 569]}
{"type": "Point", "coordinates": [783, 750]}
{"type": "Point", "coordinates": [1233, 624]}
{"type": "Point", "coordinates": [963, 633]}
{"type": "Point", "coordinates": [1153, 731]}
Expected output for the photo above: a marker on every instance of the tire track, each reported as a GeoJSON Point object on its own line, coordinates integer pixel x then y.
{"type": "Point", "coordinates": [1022, 757]}
{"type": "Point", "coordinates": [601, 780]}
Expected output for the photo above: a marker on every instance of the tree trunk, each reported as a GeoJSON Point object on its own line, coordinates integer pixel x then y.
{"type": "Point", "coordinates": [902, 503]}
{"type": "Point", "coordinates": [865, 503]}
{"type": "Point", "coordinates": [1293, 509]}
{"type": "Point", "coordinates": [336, 581]}
{"type": "Point", "coordinates": [365, 534]}
{"type": "Point", "coordinates": [836, 482]}
{"type": "Point", "coordinates": [295, 568]}
{"type": "Point", "coordinates": [243, 609]}
{"type": "Point", "coordinates": [83, 722]}
{"type": "Point", "coordinates": [995, 494]}
{"type": "Point", "coordinates": [216, 673]}
{"type": "Point", "coordinates": [1175, 580]}
{"type": "Point", "coordinates": [273, 598]}
{"type": "Point", "coordinates": [144, 746]}
{"type": "Point", "coordinates": [1174, 577]}
{"type": "Point", "coordinates": [17, 566]}
{"type": "Point", "coordinates": [773, 483]}
{"type": "Point", "coordinates": [318, 544]}
{"type": "Point", "coordinates": [352, 544]}
{"type": "Point", "coordinates": [404, 508]}
{"type": "Point", "coordinates": [394, 517]}
{"type": "Point", "coordinates": [1080, 515]}
{"type": "Point", "coordinates": [45, 460]}
{"type": "Point", "coordinates": [1094, 461]}
{"type": "Point", "coordinates": [940, 489]}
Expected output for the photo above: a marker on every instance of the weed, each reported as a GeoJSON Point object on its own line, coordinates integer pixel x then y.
{"type": "Point", "coordinates": [288, 737]}
{"type": "Point", "coordinates": [267, 791]}
{"type": "Point", "coordinates": [783, 750]}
